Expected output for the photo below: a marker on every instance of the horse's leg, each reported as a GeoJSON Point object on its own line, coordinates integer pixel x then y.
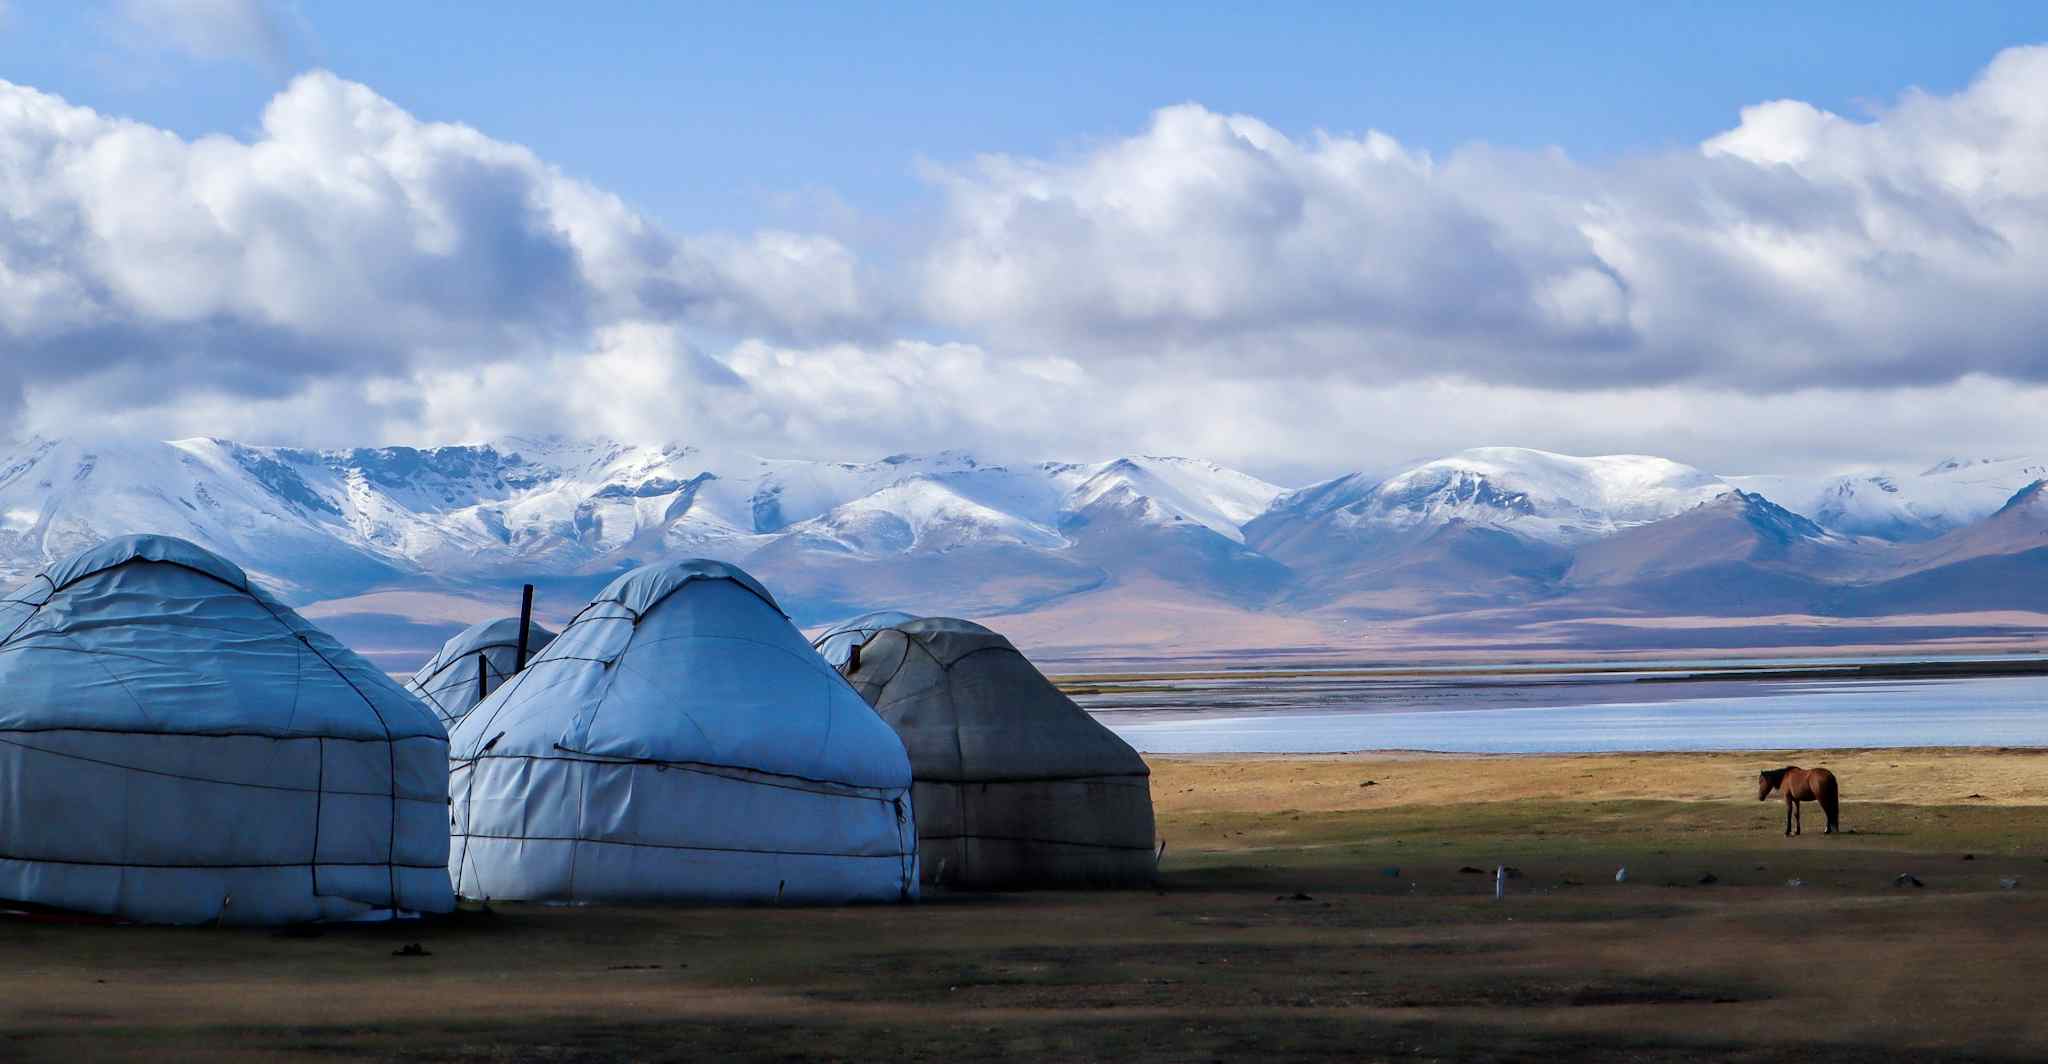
{"type": "Point", "coordinates": [1790, 805]}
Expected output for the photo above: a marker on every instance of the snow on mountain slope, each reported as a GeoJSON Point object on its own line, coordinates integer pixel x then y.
{"type": "Point", "coordinates": [950, 500]}
{"type": "Point", "coordinates": [1482, 529]}
{"type": "Point", "coordinates": [335, 522]}
{"type": "Point", "coordinates": [1321, 497]}
{"type": "Point", "coordinates": [1902, 507]}
{"type": "Point", "coordinates": [58, 497]}
{"type": "Point", "coordinates": [1549, 497]}
{"type": "Point", "coordinates": [920, 514]}
{"type": "Point", "coordinates": [1178, 489]}
{"type": "Point", "coordinates": [410, 504]}
{"type": "Point", "coordinates": [2019, 526]}
{"type": "Point", "coordinates": [785, 492]}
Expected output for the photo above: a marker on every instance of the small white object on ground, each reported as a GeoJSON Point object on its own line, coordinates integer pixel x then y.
{"type": "Point", "coordinates": [1621, 876]}
{"type": "Point", "coordinates": [1795, 882]}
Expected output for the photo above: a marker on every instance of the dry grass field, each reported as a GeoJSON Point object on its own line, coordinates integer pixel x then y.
{"type": "Point", "coordinates": [1301, 915]}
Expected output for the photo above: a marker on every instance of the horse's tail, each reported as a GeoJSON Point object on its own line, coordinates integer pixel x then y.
{"type": "Point", "coordinates": [1831, 800]}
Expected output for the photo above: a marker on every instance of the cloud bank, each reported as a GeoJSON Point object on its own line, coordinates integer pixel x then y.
{"type": "Point", "coordinates": [1802, 289]}
{"type": "Point", "coordinates": [1797, 249]}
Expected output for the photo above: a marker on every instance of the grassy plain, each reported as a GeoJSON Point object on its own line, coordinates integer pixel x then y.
{"type": "Point", "coordinates": [1301, 915]}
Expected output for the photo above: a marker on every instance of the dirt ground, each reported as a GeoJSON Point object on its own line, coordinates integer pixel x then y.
{"type": "Point", "coordinates": [1301, 915]}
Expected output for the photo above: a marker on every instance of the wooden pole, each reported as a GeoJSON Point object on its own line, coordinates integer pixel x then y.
{"type": "Point", "coordinates": [525, 622]}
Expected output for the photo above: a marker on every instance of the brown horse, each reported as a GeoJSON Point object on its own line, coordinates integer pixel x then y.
{"type": "Point", "coordinates": [1802, 785]}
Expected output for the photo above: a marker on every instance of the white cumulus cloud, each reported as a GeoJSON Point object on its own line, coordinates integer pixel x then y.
{"type": "Point", "coordinates": [1802, 290]}
{"type": "Point", "coordinates": [1797, 249]}
{"type": "Point", "coordinates": [347, 238]}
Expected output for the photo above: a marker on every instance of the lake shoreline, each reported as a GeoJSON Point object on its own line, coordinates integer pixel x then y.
{"type": "Point", "coordinates": [1823, 705]}
{"type": "Point", "coordinates": [1661, 670]}
{"type": "Point", "coordinates": [1399, 754]}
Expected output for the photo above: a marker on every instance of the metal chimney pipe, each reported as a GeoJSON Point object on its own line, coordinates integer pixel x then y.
{"type": "Point", "coordinates": [525, 623]}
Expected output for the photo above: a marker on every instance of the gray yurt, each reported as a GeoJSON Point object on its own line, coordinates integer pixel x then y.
{"type": "Point", "coordinates": [472, 665]}
{"type": "Point", "coordinates": [1014, 784]}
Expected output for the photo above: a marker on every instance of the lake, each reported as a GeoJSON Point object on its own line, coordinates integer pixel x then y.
{"type": "Point", "coordinates": [1573, 714]}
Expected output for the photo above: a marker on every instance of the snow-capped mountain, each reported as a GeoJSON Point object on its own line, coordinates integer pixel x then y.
{"type": "Point", "coordinates": [1168, 490]}
{"type": "Point", "coordinates": [920, 514]}
{"type": "Point", "coordinates": [324, 523]}
{"type": "Point", "coordinates": [58, 497]}
{"type": "Point", "coordinates": [2018, 527]}
{"type": "Point", "coordinates": [1552, 498]}
{"type": "Point", "coordinates": [400, 542]}
{"type": "Point", "coordinates": [1478, 529]}
{"type": "Point", "coordinates": [1902, 507]}
{"type": "Point", "coordinates": [1998, 563]}
{"type": "Point", "coordinates": [924, 509]}
{"type": "Point", "coordinates": [1732, 535]}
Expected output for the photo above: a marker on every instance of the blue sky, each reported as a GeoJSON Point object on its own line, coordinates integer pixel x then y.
{"type": "Point", "coordinates": [729, 116]}
{"type": "Point", "coordinates": [1303, 240]}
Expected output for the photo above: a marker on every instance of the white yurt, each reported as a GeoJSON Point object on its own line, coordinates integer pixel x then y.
{"type": "Point", "coordinates": [680, 741]}
{"type": "Point", "coordinates": [472, 664]}
{"type": "Point", "coordinates": [178, 747]}
{"type": "Point", "coordinates": [1015, 784]}
{"type": "Point", "coordinates": [838, 643]}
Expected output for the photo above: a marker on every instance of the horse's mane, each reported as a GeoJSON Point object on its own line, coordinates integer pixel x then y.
{"type": "Point", "coordinates": [1777, 775]}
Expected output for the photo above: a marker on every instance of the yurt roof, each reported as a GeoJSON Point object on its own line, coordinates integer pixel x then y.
{"type": "Point", "coordinates": [836, 642]}
{"type": "Point", "coordinates": [121, 550]}
{"type": "Point", "coordinates": [484, 635]}
{"type": "Point", "coordinates": [153, 634]}
{"type": "Point", "coordinates": [642, 589]}
{"type": "Point", "coordinates": [971, 707]}
{"type": "Point", "coordinates": [872, 621]}
{"type": "Point", "coordinates": [693, 663]}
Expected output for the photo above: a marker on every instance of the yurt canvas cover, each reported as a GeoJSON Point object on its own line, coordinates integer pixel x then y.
{"type": "Point", "coordinates": [836, 645]}
{"type": "Point", "coordinates": [680, 741]}
{"type": "Point", "coordinates": [178, 747]}
{"type": "Point", "coordinates": [471, 665]}
{"type": "Point", "coordinates": [1015, 784]}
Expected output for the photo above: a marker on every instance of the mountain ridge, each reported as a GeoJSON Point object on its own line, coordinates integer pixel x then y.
{"type": "Point", "coordinates": [1492, 535]}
